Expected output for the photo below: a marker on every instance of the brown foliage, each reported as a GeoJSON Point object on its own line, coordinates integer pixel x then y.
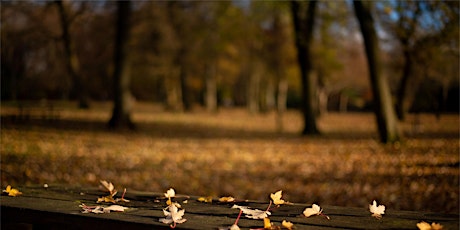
{"type": "Point", "coordinates": [233, 153]}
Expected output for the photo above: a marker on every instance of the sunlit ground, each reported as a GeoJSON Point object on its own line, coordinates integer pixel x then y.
{"type": "Point", "coordinates": [234, 153]}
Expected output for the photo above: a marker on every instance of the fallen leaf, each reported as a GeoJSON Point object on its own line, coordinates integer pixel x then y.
{"type": "Point", "coordinates": [377, 211]}
{"type": "Point", "coordinates": [314, 210]}
{"type": "Point", "coordinates": [170, 193]}
{"type": "Point", "coordinates": [106, 199]}
{"type": "Point", "coordinates": [288, 225]}
{"type": "Point", "coordinates": [207, 199]}
{"type": "Point", "coordinates": [267, 223]}
{"type": "Point", "coordinates": [426, 226]}
{"type": "Point", "coordinates": [102, 209]}
{"type": "Point", "coordinates": [253, 213]}
{"type": "Point", "coordinates": [109, 186]}
{"type": "Point", "coordinates": [276, 197]}
{"type": "Point", "coordinates": [226, 199]}
{"type": "Point", "coordinates": [173, 215]}
{"type": "Point", "coordinates": [233, 227]}
{"type": "Point", "coordinates": [12, 191]}
{"type": "Point", "coordinates": [115, 208]}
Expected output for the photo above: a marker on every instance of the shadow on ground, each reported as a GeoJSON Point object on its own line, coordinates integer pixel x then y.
{"type": "Point", "coordinates": [179, 130]}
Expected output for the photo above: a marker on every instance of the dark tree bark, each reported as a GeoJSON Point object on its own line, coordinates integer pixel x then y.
{"type": "Point", "coordinates": [121, 115]}
{"type": "Point", "coordinates": [405, 32]}
{"type": "Point", "coordinates": [387, 122]}
{"type": "Point", "coordinates": [72, 62]}
{"type": "Point", "coordinates": [404, 98]}
{"type": "Point", "coordinates": [303, 26]}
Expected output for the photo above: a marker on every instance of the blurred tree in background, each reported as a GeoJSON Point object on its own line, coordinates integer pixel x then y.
{"type": "Point", "coordinates": [71, 59]}
{"type": "Point", "coordinates": [303, 16]}
{"type": "Point", "coordinates": [231, 53]}
{"type": "Point", "coordinates": [426, 40]}
{"type": "Point", "coordinates": [387, 124]}
{"type": "Point", "coordinates": [122, 98]}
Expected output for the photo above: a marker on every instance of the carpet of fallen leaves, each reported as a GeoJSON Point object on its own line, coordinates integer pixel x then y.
{"type": "Point", "coordinates": [243, 155]}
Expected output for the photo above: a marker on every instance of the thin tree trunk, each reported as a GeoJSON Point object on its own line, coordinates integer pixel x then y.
{"type": "Point", "coordinates": [253, 91]}
{"type": "Point", "coordinates": [387, 122]}
{"type": "Point", "coordinates": [72, 62]}
{"type": "Point", "coordinates": [281, 102]}
{"type": "Point", "coordinates": [121, 116]}
{"type": "Point", "coordinates": [304, 37]}
{"type": "Point", "coordinates": [173, 90]}
{"type": "Point", "coordinates": [211, 88]}
{"type": "Point", "coordinates": [403, 100]}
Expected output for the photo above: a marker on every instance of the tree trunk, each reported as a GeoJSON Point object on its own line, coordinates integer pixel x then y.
{"type": "Point", "coordinates": [303, 26]}
{"type": "Point", "coordinates": [387, 122]}
{"type": "Point", "coordinates": [71, 59]}
{"type": "Point", "coordinates": [281, 102]}
{"type": "Point", "coordinates": [186, 95]}
{"type": "Point", "coordinates": [253, 91]}
{"type": "Point", "coordinates": [173, 90]}
{"type": "Point", "coordinates": [404, 97]}
{"type": "Point", "coordinates": [121, 116]}
{"type": "Point", "coordinates": [211, 88]}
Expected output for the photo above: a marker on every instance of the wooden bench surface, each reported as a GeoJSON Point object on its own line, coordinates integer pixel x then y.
{"type": "Point", "coordinates": [57, 207]}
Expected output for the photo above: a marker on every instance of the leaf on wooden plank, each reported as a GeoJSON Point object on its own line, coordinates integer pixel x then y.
{"type": "Point", "coordinates": [288, 225]}
{"type": "Point", "coordinates": [12, 191]}
{"type": "Point", "coordinates": [233, 227]}
{"type": "Point", "coordinates": [109, 186]}
{"type": "Point", "coordinates": [314, 210]}
{"type": "Point", "coordinates": [106, 199]}
{"type": "Point", "coordinates": [173, 216]}
{"type": "Point", "coordinates": [276, 197]}
{"type": "Point", "coordinates": [170, 193]}
{"type": "Point", "coordinates": [426, 226]}
{"type": "Point", "coordinates": [377, 211]}
{"type": "Point", "coordinates": [226, 199]}
{"type": "Point", "coordinates": [207, 199]}
{"type": "Point", "coordinates": [101, 209]}
{"type": "Point", "coordinates": [253, 213]}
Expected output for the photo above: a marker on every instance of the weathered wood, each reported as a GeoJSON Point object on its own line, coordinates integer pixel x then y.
{"type": "Point", "coordinates": [58, 208]}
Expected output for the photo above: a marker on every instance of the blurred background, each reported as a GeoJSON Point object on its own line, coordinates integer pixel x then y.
{"type": "Point", "coordinates": [214, 90]}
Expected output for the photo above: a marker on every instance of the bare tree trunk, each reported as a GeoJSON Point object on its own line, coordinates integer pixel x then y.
{"type": "Point", "coordinates": [281, 102]}
{"type": "Point", "coordinates": [387, 122]}
{"type": "Point", "coordinates": [121, 116]}
{"type": "Point", "coordinates": [72, 61]}
{"type": "Point", "coordinates": [173, 90]}
{"type": "Point", "coordinates": [406, 30]}
{"type": "Point", "coordinates": [183, 76]}
{"type": "Point", "coordinates": [303, 25]}
{"type": "Point", "coordinates": [343, 102]}
{"type": "Point", "coordinates": [253, 91]}
{"type": "Point", "coordinates": [403, 101]}
{"type": "Point", "coordinates": [322, 101]}
{"type": "Point", "coordinates": [211, 88]}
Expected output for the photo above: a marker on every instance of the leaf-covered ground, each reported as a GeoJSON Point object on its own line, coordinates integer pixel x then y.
{"type": "Point", "coordinates": [235, 153]}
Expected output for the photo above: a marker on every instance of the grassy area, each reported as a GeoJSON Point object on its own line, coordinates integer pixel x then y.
{"type": "Point", "coordinates": [235, 153]}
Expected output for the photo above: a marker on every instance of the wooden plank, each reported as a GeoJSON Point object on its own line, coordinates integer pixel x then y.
{"type": "Point", "coordinates": [57, 207]}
